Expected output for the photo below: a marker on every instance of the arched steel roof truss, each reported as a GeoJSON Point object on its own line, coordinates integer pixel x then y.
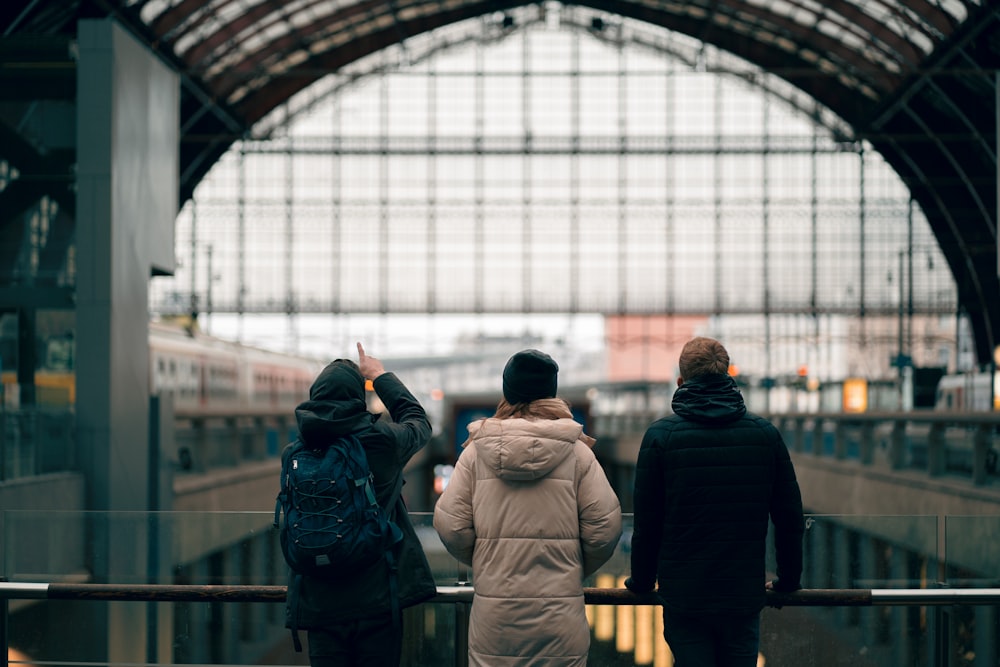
{"type": "Point", "coordinates": [915, 78]}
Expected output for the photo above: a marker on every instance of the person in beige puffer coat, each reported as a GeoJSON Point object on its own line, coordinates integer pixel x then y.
{"type": "Point", "coordinates": [529, 507]}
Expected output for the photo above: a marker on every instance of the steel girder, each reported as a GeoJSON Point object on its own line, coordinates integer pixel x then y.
{"type": "Point", "coordinates": [915, 78]}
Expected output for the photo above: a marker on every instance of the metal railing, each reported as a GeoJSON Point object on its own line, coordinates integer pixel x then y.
{"type": "Point", "coordinates": [811, 597]}
{"type": "Point", "coordinates": [462, 596]}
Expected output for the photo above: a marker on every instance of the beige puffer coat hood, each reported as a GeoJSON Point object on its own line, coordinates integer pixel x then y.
{"type": "Point", "coordinates": [531, 510]}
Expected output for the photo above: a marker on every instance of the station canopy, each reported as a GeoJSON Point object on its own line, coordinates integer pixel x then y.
{"type": "Point", "coordinates": [914, 78]}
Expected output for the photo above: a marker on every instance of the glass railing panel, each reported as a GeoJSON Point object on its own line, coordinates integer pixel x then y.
{"type": "Point", "coordinates": [846, 636]}
{"type": "Point", "coordinates": [184, 548]}
{"type": "Point", "coordinates": [446, 569]}
{"type": "Point", "coordinates": [242, 549]}
{"type": "Point", "coordinates": [200, 548]}
{"type": "Point", "coordinates": [140, 547]}
{"type": "Point", "coordinates": [972, 560]}
{"type": "Point", "coordinates": [840, 552]}
{"type": "Point", "coordinates": [848, 552]}
{"type": "Point", "coordinates": [857, 552]}
{"type": "Point", "coordinates": [972, 551]}
{"type": "Point", "coordinates": [862, 551]}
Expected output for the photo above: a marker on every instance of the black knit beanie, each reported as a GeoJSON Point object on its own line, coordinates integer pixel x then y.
{"type": "Point", "coordinates": [528, 376]}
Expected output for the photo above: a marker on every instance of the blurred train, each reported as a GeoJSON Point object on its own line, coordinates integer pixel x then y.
{"type": "Point", "coordinates": [206, 373]}
{"type": "Point", "coordinates": [975, 392]}
{"type": "Point", "coordinates": [201, 372]}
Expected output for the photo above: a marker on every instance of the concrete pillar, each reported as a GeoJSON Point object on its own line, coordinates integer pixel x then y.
{"type": "Point", "coordinates": [902, 645]}
{"type": "Point", "coordinates": [127, 193]}
{"type": "Point", "coordinates": [867, 574]}
{"type": "Point", "coordinates": [897, 445]}
{"type": "Point", "coordinates": [128, 110]}
{"type": "Point", "coordinates": [26, 362]}
{"type": "Point", "coordinates": [799, 425]}
{"type": "Point", "coordinates": [867, 448]}
{"type": "Point", "coordinates": [936, 450]}
{"type": "Point", "coordinates": [229, 615]}
{"type": "Point", "coordinates": [831, 554]}
{"type": "Point", "coordinates": [234, 440]}
{"type": "Point", "coordinates": [818, 435]}
{"type": "Point", "coordinates": [196, 629]}
{"type": "Point", "coordinates": [840, 441]}
{"type": "Point", "coordinates": [844, 562]}
{"type": "Point", "coordinates": [987, 639]}
{"type": "Point", "coordinates": [982, 442]}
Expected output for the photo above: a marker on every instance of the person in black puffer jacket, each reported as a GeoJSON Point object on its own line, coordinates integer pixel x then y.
{"type": "Point", "coordinates": [352, 621]}
{"type": "Point", "coordinates": [707, 480]}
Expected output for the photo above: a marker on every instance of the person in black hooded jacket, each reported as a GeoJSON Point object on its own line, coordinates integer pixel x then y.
{"type": "Point", "coordinates": [351, 621]}
{"type": "Point", "coordinates": [707, 480]}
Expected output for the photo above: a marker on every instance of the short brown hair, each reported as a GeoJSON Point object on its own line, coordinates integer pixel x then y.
{"type": "Point", "coordinates": [702, 356]}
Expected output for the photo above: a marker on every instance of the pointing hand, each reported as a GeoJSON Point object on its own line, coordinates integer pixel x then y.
{"type": "Point", "coordinates": [370, 367]}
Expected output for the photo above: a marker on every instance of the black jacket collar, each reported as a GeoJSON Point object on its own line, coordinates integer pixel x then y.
{"type": "Point", "coordinates": [713, 397]}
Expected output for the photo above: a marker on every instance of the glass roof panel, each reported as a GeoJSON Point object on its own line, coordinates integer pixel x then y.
{"type": "Point", "coordinates": [895, 17]}
{"type": "Point", "coordinates": [957, 8]}
{"type": "Point", "coordinates": [866, 44]}
{"type": "Point", "coordinates": [678, 47]}
{"type": "Point", "coordinates": [902, 21]}
{"type": "Point", "coordinates": [278, 33]}
{"type": "Point", "coordinates": [919, 22]}
{"type": "Point", "coordinates": [185, 17]}
{"type": "Point", "coordinates": [922, 12]}
{"type": "Point", "coordinates": [153, 8]}
{"type": "Point", "coordinates": [205, 23]}
{"type": "Point", "coordinates": [280, 59]}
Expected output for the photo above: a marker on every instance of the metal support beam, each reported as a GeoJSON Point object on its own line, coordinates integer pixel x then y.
{"type": "Point", "coordinates": [37, 67]}
{"type": "Point", "coordinates": [40, 298]}
{"type": "Point", "coordinates": [27, 356]}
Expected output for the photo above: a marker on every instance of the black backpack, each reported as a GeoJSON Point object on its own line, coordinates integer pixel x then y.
{"type": "Point", "coordinates": [333, 524]}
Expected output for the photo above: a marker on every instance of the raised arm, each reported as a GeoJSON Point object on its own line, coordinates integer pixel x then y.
{"type": "Point", "coordinates": [409, 419]}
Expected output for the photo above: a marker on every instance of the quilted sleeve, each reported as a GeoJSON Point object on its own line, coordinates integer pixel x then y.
{"type": "Point", "coordinates": [600, 513]}
{"type": "Point", "coordinates": [453, 511]}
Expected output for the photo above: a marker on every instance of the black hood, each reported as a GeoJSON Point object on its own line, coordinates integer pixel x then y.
{"type": "Point", "coordinates": [713, 397]}
{"type": "Point", "coordinates": [336, 404]}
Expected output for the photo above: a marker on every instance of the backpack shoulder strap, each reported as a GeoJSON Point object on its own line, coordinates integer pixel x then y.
{"type": "Point", "coordinates": [282, 497]}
